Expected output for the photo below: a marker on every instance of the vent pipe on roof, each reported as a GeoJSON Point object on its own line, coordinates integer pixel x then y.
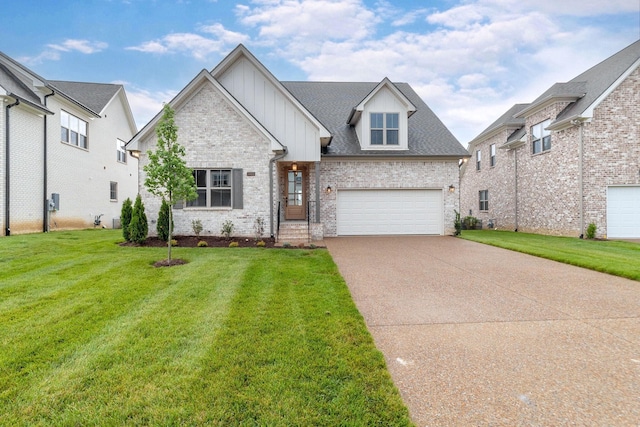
{"type": "Point", "coordinates": [7, 182]}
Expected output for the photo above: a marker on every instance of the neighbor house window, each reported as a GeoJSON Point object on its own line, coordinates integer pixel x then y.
{"type": "Point", "coordinates": [478, 159]}
{"type": "Point", "coordinates": [121, 152]}
{"type": "Point", "coordinates": [541, 137]}
{"type": "Point", "coordinates": [492, 155]}
{"type": "Point", "coordinates": [73, 130]}
{"type": "Point", "coordinates": [213, 187]}
{"type": "Point", "coordinates": [385, 128]}
{"type": "Point", "coordinates": [113, 191]}
{"type": "Point", "coordinates": [484, 200]}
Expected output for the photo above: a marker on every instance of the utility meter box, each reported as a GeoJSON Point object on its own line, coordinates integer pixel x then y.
{"type": "Point", "coordinates": [54, 202]}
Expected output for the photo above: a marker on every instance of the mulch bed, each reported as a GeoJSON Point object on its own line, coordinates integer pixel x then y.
{"type": "Point", "coordinates": [212, 242]}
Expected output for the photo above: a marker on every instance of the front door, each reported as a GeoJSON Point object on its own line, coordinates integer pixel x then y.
{"type": "Point", "coordinates": [295, 208]}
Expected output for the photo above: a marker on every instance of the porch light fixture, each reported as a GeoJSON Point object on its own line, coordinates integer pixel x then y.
{"type": "Point", "coordinates": [328, 189]}
{"type": "Point", "coordinates": [452, 188]}
{"type": "Point", "coordinates": [294, 166]}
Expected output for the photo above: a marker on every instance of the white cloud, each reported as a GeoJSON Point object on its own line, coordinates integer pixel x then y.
{"type": "Point", "coordinates": [82, 46]}
{"type": "Point", "coordinates": [195, 45]}
{"type": "Point", "coordinates": [146, 104]}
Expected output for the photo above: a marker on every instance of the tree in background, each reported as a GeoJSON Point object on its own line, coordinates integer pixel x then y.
{"type": "Point", "coordinates": [167, 173]}
{"type": "Point", "coordinates": [163, 221]}
{"type": "Point", "coordinates": [138, 228]}
{"type": "Point", "coordinates": [125, 218]}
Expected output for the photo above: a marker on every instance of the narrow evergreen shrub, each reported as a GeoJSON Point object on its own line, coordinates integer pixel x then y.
{"type": "Point", "coordinates": [163, 221]}
{"type": "Point", "coordinates": [138, 227]}
{"type": "Point", "coordinates": [125, 218]}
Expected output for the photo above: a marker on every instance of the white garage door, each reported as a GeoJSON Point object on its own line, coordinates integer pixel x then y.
{"type": "Point", "coordinates": [623, 212]}
{"type": "Point", "coordinates": [373, 212]}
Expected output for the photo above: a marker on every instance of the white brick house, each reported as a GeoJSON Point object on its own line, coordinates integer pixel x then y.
{"type": "Point", "coordinates": [344, 158]}
{"type": "Point", "coordinates": [568, 159]}
{"type": "Point", "coordinates": [62, 138]}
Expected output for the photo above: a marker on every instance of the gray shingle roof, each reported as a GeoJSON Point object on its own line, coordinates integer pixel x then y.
{"type": "Point", "coordinates": [332, 102]}
{"type": "Point", "coordinates": [600, 77]}
{"type": "Point", "coordinates": [508, 119]}
{"type": "Point", "coordinates": [93, 96]}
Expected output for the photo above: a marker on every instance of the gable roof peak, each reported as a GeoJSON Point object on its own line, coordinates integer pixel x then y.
{"type": "Point", "coordinates": [357, 110]}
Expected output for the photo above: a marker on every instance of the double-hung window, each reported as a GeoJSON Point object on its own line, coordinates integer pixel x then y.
{"type": "Point", "coordinates": [540, 137]}
{"type": "Point", "coordinates": [113, 191]}
{"type": "Point", "coordinates": [478, 159]}
{"type": "Point", "coordinates": [385, 128]}
{"type": "Point", "coordinates": [121, 152]}
{"type": "Point", "coordinates": [492, 155]}
{"type": "Point", "coordinates": [73, 130]}
{"type": "Point", "coordinates": [484, 200]}
{"type": "Point", "coordinates": [213, 187]}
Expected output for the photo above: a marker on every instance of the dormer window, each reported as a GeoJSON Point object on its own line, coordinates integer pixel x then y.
{"type": "Point", "coordinates": [384, 128]}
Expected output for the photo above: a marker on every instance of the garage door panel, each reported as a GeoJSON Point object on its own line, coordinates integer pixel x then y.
{"type": "Point", "coordinates": [623, 211]}
{"type": "Point", "coordinates": [397, 211]}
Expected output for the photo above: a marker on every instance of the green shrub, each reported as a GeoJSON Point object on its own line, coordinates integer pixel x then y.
{"type": "Point", "coordinates": [261, 244]}
{"type": "Point", "coordinates": [174, 242]}
{"type": "Point", "coordinates": [163, 221]}
{"type": "Point", "coordinates": [125, 218]}
{"type": "Point", "coordinates": [138, 227]}
{"type": "Point", "coordinates": [196, 226]}
{"type": "Point", "coordinates": [202, 244]}
{"type": "Point", "coordinates": [470, 222]}
{"type": "Point", "coordinates": [591, 231]}
{"type": "Point", "coordinates": [233, 245]}
{"type": "Point", "coordinates": [457, 224]}
{"type": "Point", "coordinates": [258, 227]}
{"type": "Point", "coordinates": [227, 229]}
{"type": "Point", "coordinates": [286, 245]}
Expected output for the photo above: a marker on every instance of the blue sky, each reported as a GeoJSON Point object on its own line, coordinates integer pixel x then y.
{"type": "Point", "coordinates": [470, 60]}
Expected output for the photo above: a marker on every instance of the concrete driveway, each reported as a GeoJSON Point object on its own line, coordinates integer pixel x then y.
{"type": "Point", "coordinates": [479, 336]}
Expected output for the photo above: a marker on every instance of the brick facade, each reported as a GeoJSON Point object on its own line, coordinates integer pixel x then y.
{"type": "Point", "coordinates": [216, 136]}
{"type": "Point", "coordinates": [547, 186]}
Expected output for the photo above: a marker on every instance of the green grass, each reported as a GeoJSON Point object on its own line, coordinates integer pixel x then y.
{"type": "Point", "coordinates": [608, 256]}
{"type": "Point", "coordinates": [92, 334]}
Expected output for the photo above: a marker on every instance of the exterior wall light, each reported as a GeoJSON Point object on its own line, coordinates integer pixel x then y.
{"type": "Point", "coordinates": [452, 189]}
{"type": "Point", "coordinates": [294, 166]}
{"type": "Point", "coordinates": [328, 190]}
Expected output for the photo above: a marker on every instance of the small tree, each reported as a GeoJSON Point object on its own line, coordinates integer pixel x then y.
{"type": "Point", "coordinates": [167, 172]}
{"type": "Point", "coordinates": [163, 221]}
{"type": "Point", "coordinates": [125, 218]}
{"type": "Point", "coordinates": [196, 225]}
{"type": "Point", "coordinates": [138, 228]}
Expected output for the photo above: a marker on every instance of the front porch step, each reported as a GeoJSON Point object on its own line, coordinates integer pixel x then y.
{"type": "Point", "coordinates": [293, 233]}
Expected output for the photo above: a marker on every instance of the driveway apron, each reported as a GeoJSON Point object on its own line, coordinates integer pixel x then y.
{"type": "Point", "coordinates": [477, 335]}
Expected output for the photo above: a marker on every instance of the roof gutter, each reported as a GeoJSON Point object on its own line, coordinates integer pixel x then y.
{"type": "Point", "coordinates": [45, 209]}
{"type": "Point", "coordinates": [7, 181]}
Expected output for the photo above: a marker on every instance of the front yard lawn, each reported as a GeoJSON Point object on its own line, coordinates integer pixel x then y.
{"type": "Point", "coordinates": [608, 256]}
{"type": "Point", "coordinates": [92, 334]}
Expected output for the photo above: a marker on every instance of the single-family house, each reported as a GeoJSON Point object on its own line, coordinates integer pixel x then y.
{"type": "Point", "coordinates": [566, 160]}
{"type": "Point", "coordinates": [332, 158]}
{"type": "Point", "coordinates": [63, 162]}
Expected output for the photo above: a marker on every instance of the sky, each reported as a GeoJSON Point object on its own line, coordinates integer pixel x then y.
{"type": "Point", "coordinates": [469, 60]}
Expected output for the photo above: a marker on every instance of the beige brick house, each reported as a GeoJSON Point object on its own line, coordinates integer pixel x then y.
{"type": "Point", "coordinates": [568, 159]}
{"type": "Point", "coordinates": [332, 158]}
{"type": "Point", "coordinates": [62, 156]}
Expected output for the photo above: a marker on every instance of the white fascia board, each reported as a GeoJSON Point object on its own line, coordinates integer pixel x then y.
{"type": "Point", "coordinates": [356, 113]}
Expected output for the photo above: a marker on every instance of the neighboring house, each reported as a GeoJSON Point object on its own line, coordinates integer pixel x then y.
{"type": "Point", "coordinates": [568, 159]}
{"type": "Point", "coordinates": [62, 156]}
{"type": "Point", "coordinates": [345, 158]}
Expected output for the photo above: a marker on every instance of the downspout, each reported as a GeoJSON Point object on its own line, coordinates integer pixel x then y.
{"type": "Point", "coordinates": [515, 157]}
{"type": "Point", "coordinates": [271, 163]}
{"type": "Point", "coordinates": [580, 175]}
{"type": "Point", "coordinates": [45, 212]}
{"type": "Point", "coordinates": [7, 201]}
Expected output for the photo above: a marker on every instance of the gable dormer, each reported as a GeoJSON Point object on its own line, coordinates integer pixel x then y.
{"type": "Point", "coordinates": [381, 119]}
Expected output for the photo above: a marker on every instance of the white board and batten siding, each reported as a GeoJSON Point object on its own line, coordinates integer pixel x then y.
{"type": "Point", "coordinates": [623, 212]}
{"type": "Point", "coordinates": [390, 212]}
{"type": "Point", "coordinates": [271, 107]}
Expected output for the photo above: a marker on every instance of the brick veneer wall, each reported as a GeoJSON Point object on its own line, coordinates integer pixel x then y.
{"type": "Point", "coordinates": [215, 136]}
{"type": "Point", "coordinates": [370, 174]}
{"type": "Point", "coordinates": [548, 187]}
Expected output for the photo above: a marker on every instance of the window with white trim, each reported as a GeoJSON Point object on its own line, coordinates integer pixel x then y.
{"type": "Point", "coordinates": [213, 187]}
{"type": "Point", "coordinates": [385, 128]}
{"type": "Point", "coordinates": [484, 200]}
{"type": "Point", "coordinates": [540, 137]}
{"type": "Point", "coordinates": [121, 152]}
{"type": "Point", "coordinates": [113, 191]}
{"type": "Point", "coordinates": [492, 155]}
{"type": "Point", "coordinates": [478, 159]}
{"type": "Point", "coordinates": [73, 130]}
